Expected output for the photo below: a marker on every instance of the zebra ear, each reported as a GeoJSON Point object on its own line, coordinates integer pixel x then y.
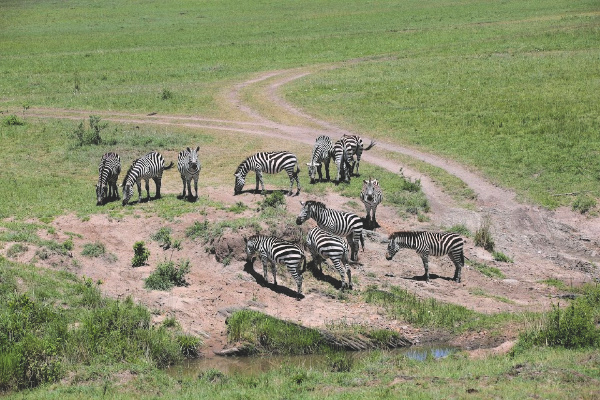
{"type": "Point", "coordinates": [197, 149]}
{"type": "Point", "coordinates": [302, 203]}
{"type": "Point", "coordinates": [188, 150]}
{"type": "Point", "coordinates": [365, 181]}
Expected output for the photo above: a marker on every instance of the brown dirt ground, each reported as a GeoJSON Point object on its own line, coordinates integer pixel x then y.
{"type": "Point", "coordinates": [544, 244]}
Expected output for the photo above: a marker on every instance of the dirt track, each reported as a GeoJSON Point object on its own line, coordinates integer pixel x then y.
{"type": "Point", "coordinates": [544, 244]}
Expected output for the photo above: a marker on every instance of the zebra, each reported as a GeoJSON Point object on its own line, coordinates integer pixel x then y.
{"type": "Point", "coordinates": [149, 166]}
{"type": "Point", "coordinates": [339, 223]}
{"type": "Point", "coordinates": [321, 155]}
{"type": "Point", "coordinates": [189, 167]}
{"type": "Point", "coordinates": [429, 243]}
{"type": "Point", "coordinates": [371, 196]}
{"type": "Point", "coordinates": [355, 145]}
{"type": "Point", "coordinates": [108, 174]}
{"type": "Point", "coordinates": [343, 160]}
{"type": "Point", "coordinates": [324, 245]}
{"type": "Point", "coordinates": [271, 163]}
{"type": "Point", "coordinates": [277, 251]}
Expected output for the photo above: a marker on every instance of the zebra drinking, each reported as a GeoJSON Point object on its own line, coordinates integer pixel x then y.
{"type": "Point", "coordinates": [429, 243]}
{"type": "Point", "coordinates": [108, 174]}
{"type": "Point", "coordinates": [189, 167]}
{"type": "Point", "coordinates": [321, 155]}
{"type": "Point", "coordinates": [324, 245]}
{"type": "Point", "coordinates": [355, 145]}
{"type": "Point", "coordinates": [339, 223]}
{"type": "Point", "coordinates": [276, 251]}
{"type": "Point", "coordinates": [371, 196]}
{"type": "Point", "coordinates": [270, 163]}
{"type": "Point", "coordinates": [343, 161]}
{"type": "Point", "coordinates": [149, 166]}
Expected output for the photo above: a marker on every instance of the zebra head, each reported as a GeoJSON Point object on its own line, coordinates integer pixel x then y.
{"type": "Point", "coordinates": [393, 247]}
{"type": "Point", "coordinates": [250, 248]}
{"type": "Point", "coordinates": [304, 213]}
{"type": "Point", "coordinates": [127, 193]}
{"type": "Point", "coordinates": [193, 163]}
{"type": "Point", "coordinates": [312, 171]}
{"type": "Point", "coordinates": [100, 194]}
{"type": "Point", "coordinates": [240, 177]}
{"type": "Point", "coordinates": [369, 188]}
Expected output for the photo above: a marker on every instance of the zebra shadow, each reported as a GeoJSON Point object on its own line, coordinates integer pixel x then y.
{"type": "Point", "coordinates": [189, 199]}
{"type": "Point", "coordinates": [321, 276]}
{"type": "Point", "coordinates": [249, 268]}
{"type": "Point", "coordinates": [431, 277]}
{"type": "Point", "coordinates": [370, 225]}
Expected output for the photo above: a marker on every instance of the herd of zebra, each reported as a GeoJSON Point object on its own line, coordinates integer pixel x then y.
{"type": "Point", "coordinates": [326, 241]}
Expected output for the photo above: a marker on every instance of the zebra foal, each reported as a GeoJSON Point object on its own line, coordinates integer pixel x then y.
{"type": "Point", "coordinates": [108, 174]}
{"type": "Point", "coordinates": [268, 162]}
{"type": "Point", "coordinates": [273, 250]}
{"type": "Point", "coordinates": [189, 168]}
{"type": "Point", "coordinates": [321, 155]}
{"type": "Point", "coordinates": [323, 245]}
{"type": "Point", "coordinates": [371, 196]}
{"type": "Point", "coordinates": [339, 223]}
{"type": "Point", "coordinates": [429, 243]}
{"type": "Point", "coordinates": [150, 166]}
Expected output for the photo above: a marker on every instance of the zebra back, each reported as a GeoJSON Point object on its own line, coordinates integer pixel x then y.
{"type": "Point", "coordinates": [432, 243]}
{"type": "Point", "coordinates": [268, 162]}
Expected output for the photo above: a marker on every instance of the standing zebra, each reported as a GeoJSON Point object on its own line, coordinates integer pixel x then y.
{"type": "Point", "coordinates": [189, 167]}
{"type": "Point", "coordinates": [149, 166]}
{"type": "Point", "coordinates": [321, 155]}
{"type": "Point", "coordinates": [277, 251]}
{"type": "Point", "coordinates": [343, 160]}
{"type": "Point", "coordinates": [355, 145]}
{"type": "Point", "coordinates": [339, 223]}
{"type": "Point", "coordinates": [324, 245]}
{"type": "Point", "coordinates": [108, 174]}
{"type": "Point", "coordinates": [429, 243]}
{"type": "Point", "coordinates": [270, 163]}
{"type": "Point", "coordinates": [371, 196]}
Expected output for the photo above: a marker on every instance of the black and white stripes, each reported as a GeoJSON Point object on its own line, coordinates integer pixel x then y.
{"type": "Point", "coordinates": [150, 166]}
{"type": "Point", "coordinates": [189, 168]}
{"type": "Point", "coordinates": [108, 174]}
{"type": "Point", "coordinates": [355, 146]}
{"type": "Point", "coordinates": [322, 153]}
{"type": "Point", "coordinates": [323, 245]}
{"type": "Point", "coordinates": [429, 243]}
{"type": "Point", "coordinates": [270, 163]}
{"type": "Point", "coordinates": [371, 196]}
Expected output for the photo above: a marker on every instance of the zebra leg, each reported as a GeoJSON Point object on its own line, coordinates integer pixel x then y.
{"type": "Point", "coordinates": [340, 269]}
{"type": "Point", "coordinates": [195, 186]}
{"type": "Point", "coordinates": [184, 187]}
{"type": "Point", "coordinates": [259, 179]}
{"type": "Point", "coordinates": [353, 243]}
{"type": "Point", "coordinates": [458, 260]}
{"type": "Point", "coordinates": [265, 263]}
{"type": "Point", "coordinates": [189, 188]}
{"type": "Point", "coordinates": [425, 258]}
{"type": "Point", "coordinates": [349, 273]}
{"type": "Point", "coordinates": [326, 171]}
{"type": "Point", "coordinates": [139, 185]}
{"type": "Point", "coordinates": [297, 178]}
{"type": "Point", "coordinates": [157, 182]}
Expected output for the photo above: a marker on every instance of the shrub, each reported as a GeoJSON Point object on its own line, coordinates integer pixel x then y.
{"type": "Point", "coordinates": [483, 235]}
{"type": "Point", "coordinates": [12, 120]}
{"type": "Point", "coordinates": [166, 94]}
{"type": "Point", "coordinates": [273, 200]}
{"type": "Point", "coordinates": [583, 203]}
{"type": "Point", "coordinates": [92, 136]}
{"type": "Point", "coordinates": [93, 249]}
{"type": "Point", "coordinates": [168, 275]}
{"type": "Point", "coordinates": [198, 230]}
{"type": "Point", "coordinates": [163, 237]}
{"type": "Point", "coordinates": [188, 345]}
{"type": "Point", "coordinates": [140, 254]}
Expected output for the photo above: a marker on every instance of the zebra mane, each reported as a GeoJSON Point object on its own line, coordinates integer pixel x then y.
{"type": "Point", "coordinates": [129, 171]}
{"type": "Point", "coordinates": [404, 234]}
{"type": "Point", "coordinates": [241, 168]}
{"type": "Point", "coordinates": [314, 203]}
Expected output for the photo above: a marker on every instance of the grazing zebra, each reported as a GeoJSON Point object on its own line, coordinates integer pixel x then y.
{"type": "Point", "coordinates": [277, 251]}
{"type": "Point", "coordinates": [270, 163]}
{"type": "Point", "coordinates": [189, 167]}
{"type": "Point", "coordinates": [343, 160]}
{"type": "Point", "coordinates": [355, 145]}
{"type": "Point", "coordinates": [108, 174]}
{"type": "Point", "coordinates": [429, 243]}
{"type": "Point", "coordinates": [371, 196]}
{"type": "Point", "coordinates": [324, 245]}
{"type": "Point", "coordinates": [320, 156]}
{"type": "Point", "coordinates": [149, 166]}
{"type": "Point", "coordinates": [339, 223]}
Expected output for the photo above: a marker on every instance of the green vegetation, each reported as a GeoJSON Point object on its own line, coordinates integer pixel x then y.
{"type": "Point", "coordinates": [460, 229]}
{"type": "Point", "coordinates": [583, 203]}
{"type": "Point", "coordinates": [12, 120]}
{"type": "Point", "coordinates": [499, 256]}
{"type": "Point", "coordinates": [140, 254]}
{"type": "Point", "coordinates": [486, 270]}
{"type": "Point", "coordinates": [163, 237]}
{"type": "Point", "coordinates": [16, 249]}
{"type": "Point", "coordinates": [273, 200]}
{"type": "Point", "coordinates": [483, 235]}
{"type": "Point", "coordinates": [167, 275]}
{"type": "Point", "coordinates": [96, 249]}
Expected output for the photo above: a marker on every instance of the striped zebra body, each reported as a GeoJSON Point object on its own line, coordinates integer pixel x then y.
{"type": "Point", "coordinates": [276, 251]}
{"type": "Point", "coordinates": [429, 243]}
{"type": "Point", "coordinates": [321, 155]}
{"type": "Point", "coordinates": [339, 223]}
{"type": "Point", "coordinates": [343, 160]}
{"type": "Point", "coordinates": [356, 146]}
{"type": "Point", "coordinates": [371, 196]}
{"type": "Point", "coordinates": [189, 167]}
{"type": "Point", "coordinates": [150, 166]}
{"type": "Point", "coordinates": [324, 245]}
{"type": "Point", "coordinates": [108, 174]}
{"type": "Point", "coordinates": [270, 163]}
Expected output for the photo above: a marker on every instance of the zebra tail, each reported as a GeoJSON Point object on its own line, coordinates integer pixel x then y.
{"type": "Point", "coordinates": [303, 264]}
{"type": "Point", "coordinates": [297, 167]}
{"type": "Point", "coordinates": [373, 143]}
{"type": "Point", "coordinates": [362, 240]}
{"type": "Point", "coordinates": [169, 166]}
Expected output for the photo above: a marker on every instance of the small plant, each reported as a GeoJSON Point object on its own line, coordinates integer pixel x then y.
{"type": "Point", "coordinates": [16, 249]}
{"type": "Point", "coordinates": [583, 203]}
{"type": "Point", "coordinates": [170, 322]}
{"type": "Point", "coordinates": [140, 254]}
{"type": "Point", "coordinates": [198, 230]}
{"type": "Point", "coordinates": [238, 207]}
{"type": "Point", "coordinates": [486, 270]}
{"type": "Point", "coordinates": [96, 249]}
{"type": "Point", "coordinates": [340, 361]}
{"type": "Point", "coordinates": [460, 229]}
{"type": "Point", "coordinates": [163, 237]}
{"type": "Point", "coordinates": [189, 345]}
{"type": "Point", "coordinates": [168, 275]}
{"type": "Point", "coordinates": [166, 94]}
{"type": "Point", "coordinates": [483, 235]}
{"type": "Point", "coordinates": [85, 137]}
{"type": "Point", "coordinates": [212, 375]}
{"type": "Point", "coordinates": [273, 200]}
{"type": "Point", "coordinates": [12, 120]}
{"type": "Point", "coordinates": [499, 256]}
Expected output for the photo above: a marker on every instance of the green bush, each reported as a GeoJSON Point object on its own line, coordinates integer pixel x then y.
{"type": "Point", "coordinates": [483, 235]}
{"type": "Point", "coordinates": [140, 254]}
{"type": "Point", "coordinates": [163, 237]}
{"type": "Point", "coordinates": [12, 120]}
{"type": "Point", "coordinates": [92, 136]}
{"type": "Point", "coordinates": [96, 249]}
{"type": "Point", "coordinates": [273, 200]}
{"type": "Point", "coordinates": [168, 275]}
{"type": "Point", "coordinates": [198, 230]}
{"type": "Point", "coordinates": [188, 345]}
{"type": "Point", "coordinates": [499, 256]}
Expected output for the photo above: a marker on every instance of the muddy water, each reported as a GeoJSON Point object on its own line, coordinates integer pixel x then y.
{"type": "Point", "coordinates": [251, 366]}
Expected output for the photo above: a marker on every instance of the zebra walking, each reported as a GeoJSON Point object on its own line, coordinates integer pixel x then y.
{"type": "Point", "coordinates": [339, 223]}
{"type": "Point", "coordinates": [429, 243]}
{"type": "Point", "coordinates": [324, 245]}
{"type": "Point", "coordinates": [149, 166]}
{"type": "Point", "coordinates": [343, 161]}
{"type": "Point", "coordinates": [108, 174]}
{"type": "Point", "coordinates": [276, 251]}
{"type": "Point", "coordinates": [371, 196]}
{"type": "Point", "coordinates": [321, 155]}
{"type": "Point", "coordinates": [270, 163]}
{"type": "Point", "coordinates": [189, 167]}
{"type": "Point", "coordinates": [355, 145]}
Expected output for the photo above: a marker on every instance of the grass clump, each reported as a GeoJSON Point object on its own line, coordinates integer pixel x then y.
{"type": "Point", "coordinates": [167, 275]}
{"type": "Point", "coordinates": [483, 235]}
{"type": "Point", "coordinates": [91, 136]}
{"type": "Point", "coordinates": [163, 237]}
{"type": "Point", "coordinates": [273, 200]}
{"type": "Point", "coordinates": [460, 229]}
{"type": "Point", "coordinates": [499, 256]}
{"type": "Point", "coordinates": [140, 254]}
{"type": "Point", "coordinates": [93, 250]}
{"type": "Point", "coordinates": [491, 272]}
{"type": "Point", "coordinates": [583, 203]}
{"type": "Point", "coordinates": [16, 249]}
{"type": "Point", "coordinates": [189, 345]}
{"type": "Point", "coordinates": [12, 120]}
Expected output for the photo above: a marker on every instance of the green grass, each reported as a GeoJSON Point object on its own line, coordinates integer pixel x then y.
{"type": "Point", "coordinates": [486, 270]}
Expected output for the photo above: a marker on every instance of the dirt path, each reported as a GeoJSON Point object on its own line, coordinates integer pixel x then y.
{"type": "Point", "coordinates": [544, 244]}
